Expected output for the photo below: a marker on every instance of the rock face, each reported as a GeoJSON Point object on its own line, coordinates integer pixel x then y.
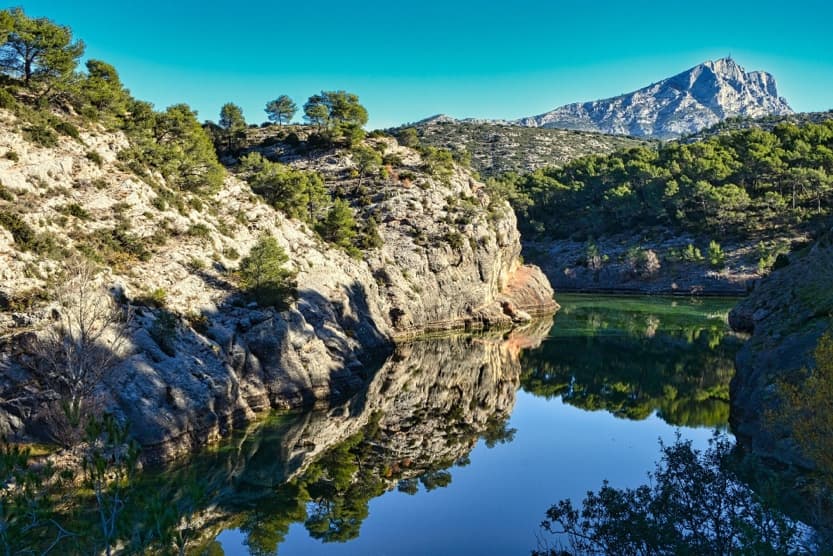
{"type": "Point", "coordinates": [787, 314]}
{"type": "Point", "coordinates": [686, 103]}
{"type": "Point", "coordinates": [448, 258]}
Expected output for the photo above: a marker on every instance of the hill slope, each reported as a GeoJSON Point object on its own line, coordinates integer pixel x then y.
{"type": "Point", "coordinates": [497, 148]}
{"type": "Point", "coordinates": [200, 356]}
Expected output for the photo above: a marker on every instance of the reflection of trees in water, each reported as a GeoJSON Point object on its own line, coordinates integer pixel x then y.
{"type": "Point", "coordinates": [633, 364]}
{"type": "Point", "coordinates": [419, 416]}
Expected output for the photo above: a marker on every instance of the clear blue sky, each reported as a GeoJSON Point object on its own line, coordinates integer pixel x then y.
{"type": "Point", "coordinates": [411, 59]}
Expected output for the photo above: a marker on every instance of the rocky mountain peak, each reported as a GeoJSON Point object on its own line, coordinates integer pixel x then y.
{"type": "Point", "coordinates": [685, 103]}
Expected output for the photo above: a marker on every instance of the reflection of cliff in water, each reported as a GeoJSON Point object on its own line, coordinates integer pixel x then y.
{"type": "Point", "coordinates": [639, 359]}
{"type": "Point", "coordinates": [420, 415]}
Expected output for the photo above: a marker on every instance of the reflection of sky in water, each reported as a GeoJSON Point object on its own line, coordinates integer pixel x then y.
{"type": "Point", "coordinates": [494, 505]}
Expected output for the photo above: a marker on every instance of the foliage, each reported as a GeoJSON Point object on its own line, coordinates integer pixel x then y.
{"type": "Point", "coordinates": [281, 110]}
{"type": "Point", "coordinates": [103, 91]}
{"type": "Point", "coordinates": [408, 137]}
{"type": "Point", "coordinates": [339, 226]}
{"type": "Point", "coordinates": [37, 51]}
{"type": "Point", "coordinates": [438, 162]}
{"type": "Point", "coordinates": [233, 124]}
{"type": "Point", "coordinates": [739, 184]}
{"type": "Point", "coordinates": [40, 135]}
{"type": "Point", "coordinates": [337, 115]}
{"type": "Point", "coordinates": [695, 504]}
{"type": "Point", "coordinates": [715, 254]}
{"type": "Point", "coordinates": [367, 160]}
{"type": "Point", "coordinates": [808, 411]}
{"type": "Point", "coordinates": [174, 143]}
{"type": "Point", "coordinates": [297, 193]}
{"type": "Point", "coordinates": [263, 273]}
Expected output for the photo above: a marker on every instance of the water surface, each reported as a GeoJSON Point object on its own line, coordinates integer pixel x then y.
{"type": "Point", "coordinates": [459, 445]}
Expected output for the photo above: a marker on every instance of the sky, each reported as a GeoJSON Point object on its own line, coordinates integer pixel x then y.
{"type": "Point", "coordinates": [408, 60]}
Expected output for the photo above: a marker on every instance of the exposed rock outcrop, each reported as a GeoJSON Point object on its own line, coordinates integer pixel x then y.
{"type": "Point", "coordinates": [447, 259]}
{"type": "Point", "coordinates": [686, 103]}
{"type": "Point", "coordinates": [787, 314]}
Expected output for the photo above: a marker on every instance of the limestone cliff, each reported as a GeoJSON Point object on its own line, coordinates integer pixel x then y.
{"type": "Point", "coordinates": [447, 260]}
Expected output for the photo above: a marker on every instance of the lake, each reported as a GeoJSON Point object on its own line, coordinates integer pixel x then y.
{"type": "Point", "coordinates": [459, 445]}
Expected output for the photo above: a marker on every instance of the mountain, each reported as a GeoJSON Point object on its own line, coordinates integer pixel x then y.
{"type": "Point", "coordinates": [497, 147]}
{"type": "Point", "coordinates": [686, 103]}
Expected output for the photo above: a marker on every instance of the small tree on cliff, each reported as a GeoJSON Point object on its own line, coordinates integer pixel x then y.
{"type": "Point", "coordinates": [82, 345]}
{"type": "Point", "coordinates": [281, 109]}
{"type": "Point", "coordinates": [264, 275]}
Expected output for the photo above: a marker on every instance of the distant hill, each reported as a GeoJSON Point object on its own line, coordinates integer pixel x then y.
{"type": "Point", "coordinates": [686, 103]}
{"type": "Point", "coordinates": [499, 147]}
{"type": "Point", "coordinates": [767, 123]}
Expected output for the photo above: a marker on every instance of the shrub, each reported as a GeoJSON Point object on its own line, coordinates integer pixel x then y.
{"type": "Point", "coordinates": [66, 128]}
{"type": "Point", "coordinates": [7, 100]}
{"type": "Point", "coordinates": [40, 135]}
{"type": "Point", "coordinates": [95, 158]}
{"type": "Point", "coordinates": [155, 298]}
{"type": "Point", "coordinates": [12, 155]}
{"type": "Point", "coordinates": [263, 275]}
{"type": "Point", "coordinates": [691, 254]}
{"type": "Point", "coordinates": [22, 233]}
{"type": "Point", "coordinates": [643, 262]}
{"type": "Point", "coordinates": [76, 210]}
{"type": "Point", "coordinates": [6, 194]}
{"type": "Point", "coordinates": [199, 230]}
{"type": "Point", "coordinates": [717, 257]}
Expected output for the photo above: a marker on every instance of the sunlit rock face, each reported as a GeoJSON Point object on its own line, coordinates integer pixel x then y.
{"type": "Point", "coordinates": [685, 103]}
{"type": "Point", "coordinates": [449, 258]}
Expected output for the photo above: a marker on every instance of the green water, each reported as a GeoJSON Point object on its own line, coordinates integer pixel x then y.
{"type": "Point", "coordinates": [459, 445]}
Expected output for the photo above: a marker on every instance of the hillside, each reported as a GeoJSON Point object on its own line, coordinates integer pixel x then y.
{"type": "Point", "coordinates": [201, 354]}
{"type": "Point", "coordinates": [498, 148]}
{"type": "Point", "coordinates": [709, 216]}
{"type": "Point", "coordinates": [683, 104]}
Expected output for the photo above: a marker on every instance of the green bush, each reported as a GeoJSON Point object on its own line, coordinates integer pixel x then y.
{"type": "Point", "coordinates": [691, 254]}
{"type": "Point", "coordinates": [716, 256]}
{"type": "Point", "coordinates": [68, 129]}
{"type": "Point", "coordinates": [6, 194]}
{"type": "Point", "coordinates": [11, 155]}
{"type": "Point", "coordinates": [7, 100]}
{"type": "Point", "coordinates": [264, 276]}
{"type": "Point", "coordinates": [95, 158]}
{"type": "Point", "coordinates": [22, 233]}
{"type": "Point", "coordinates": [199, 230]}
{"type": "Point", "coordinates": [76, 210]}
{"type": "Point", "coordinates": [155, 298]}
{"type": "Point", "coordinates": [40, 135]}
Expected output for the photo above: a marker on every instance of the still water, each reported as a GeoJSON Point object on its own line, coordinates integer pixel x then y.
{"type": "Point", "coordinates": [459, 445]}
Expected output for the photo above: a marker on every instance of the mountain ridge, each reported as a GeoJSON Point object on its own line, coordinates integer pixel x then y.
{"type": "Point", "coordinates": [670, 108]}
